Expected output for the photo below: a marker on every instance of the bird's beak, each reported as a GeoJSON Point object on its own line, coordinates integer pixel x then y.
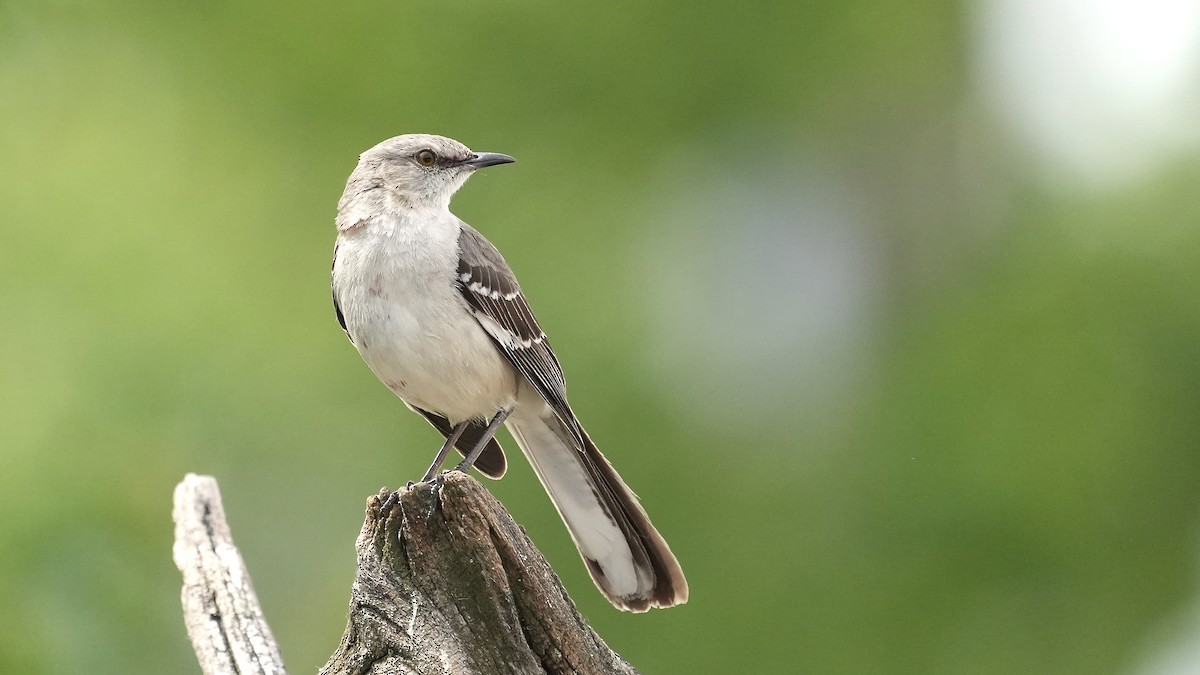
{"type": "Point", "coordinates": [483, 159]}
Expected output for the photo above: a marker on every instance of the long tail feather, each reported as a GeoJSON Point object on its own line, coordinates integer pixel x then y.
{"type": "Point", "coordinates": [626, 556]}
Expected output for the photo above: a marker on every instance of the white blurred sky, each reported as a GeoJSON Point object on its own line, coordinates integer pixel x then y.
{"type": "Point", "coordinates": [1098, 93]}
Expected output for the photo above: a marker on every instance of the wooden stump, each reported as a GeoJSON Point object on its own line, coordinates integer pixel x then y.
{"type": "Point", "coordinates": [446, 583]}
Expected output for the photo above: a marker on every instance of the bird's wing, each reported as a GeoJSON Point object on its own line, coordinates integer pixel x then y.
{"type": "Point", "coordinates": [337, 308]}
{"type": "Point", "coordinates": [494, 296]}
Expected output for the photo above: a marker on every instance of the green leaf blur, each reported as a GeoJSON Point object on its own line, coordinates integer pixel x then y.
{"type": "Point", "coordinates": [971, 447]}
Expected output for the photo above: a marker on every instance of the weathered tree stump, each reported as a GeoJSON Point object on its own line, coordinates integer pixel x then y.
{"type": "Point", "coordinates": [446, 583]}
{"type": "Point", "coordinates": [224, 620]}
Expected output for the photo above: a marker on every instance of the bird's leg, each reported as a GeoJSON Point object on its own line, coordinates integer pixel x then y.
{"type": "Point", "coordinates": [441, 456]}
{"type": "Point", "coordinates": [488, 433]}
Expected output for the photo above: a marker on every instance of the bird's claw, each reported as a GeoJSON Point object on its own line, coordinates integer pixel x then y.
{"type": "Point", "coordinates": [436, 484]}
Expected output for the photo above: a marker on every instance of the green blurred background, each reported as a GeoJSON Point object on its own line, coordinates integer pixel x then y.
{"type": "Point", "coordinates": [896, 332]}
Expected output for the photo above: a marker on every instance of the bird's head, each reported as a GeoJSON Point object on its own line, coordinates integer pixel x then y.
{"type": "Point", "coordinates": [418, 170]}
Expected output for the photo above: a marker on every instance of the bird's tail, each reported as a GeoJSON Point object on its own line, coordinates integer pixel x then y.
{"type": "Point", "coordinates": [627, 558]}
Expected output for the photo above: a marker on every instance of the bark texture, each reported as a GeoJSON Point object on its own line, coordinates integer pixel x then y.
{"type": "Point", "coordinates": [224, 620]}
{"type": "Point", "coordinates": [448, 583]}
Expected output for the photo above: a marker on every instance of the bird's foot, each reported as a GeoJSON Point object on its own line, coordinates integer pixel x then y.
{"type": "Point", "coordinates": [436, 483]}
{"type": "Point", "coordinates": [389, 502]}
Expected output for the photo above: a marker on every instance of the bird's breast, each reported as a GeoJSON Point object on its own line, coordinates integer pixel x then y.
{"type": "Point", "coordinates": [397, 290]}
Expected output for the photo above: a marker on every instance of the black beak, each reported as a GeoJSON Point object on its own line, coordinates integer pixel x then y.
{"type": "Point", "coordinates": [483, 159]}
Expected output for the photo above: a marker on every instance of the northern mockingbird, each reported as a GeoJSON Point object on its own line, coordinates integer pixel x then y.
{"type": "Point", "coordinates": [438, 316]}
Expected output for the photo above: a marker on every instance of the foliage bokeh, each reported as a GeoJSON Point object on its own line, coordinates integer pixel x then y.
{"type": "Point", "coordinates": [943, 421]}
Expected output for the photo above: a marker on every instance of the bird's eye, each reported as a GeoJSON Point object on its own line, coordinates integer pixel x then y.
{"type": "Point", "coordinates": [426, 157]}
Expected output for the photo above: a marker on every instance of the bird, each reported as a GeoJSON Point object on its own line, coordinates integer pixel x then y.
{"type": "Point", "coordinates": [437, 314]}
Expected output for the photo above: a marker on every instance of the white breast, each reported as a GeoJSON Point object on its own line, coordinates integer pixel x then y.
{"type": "Point", "coordinates": [394, 278]}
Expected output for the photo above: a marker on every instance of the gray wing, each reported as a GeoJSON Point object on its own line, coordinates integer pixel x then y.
{"type": "Point", "coordinates": [493, 294]}
{"type": "Point", "coordinates": [337, 308]}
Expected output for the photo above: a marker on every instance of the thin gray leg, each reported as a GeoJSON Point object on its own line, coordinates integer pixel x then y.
{"type": "Point", "coordinates": [488, 433]}
{"type": "Point", "coordinates": [441, 456]}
